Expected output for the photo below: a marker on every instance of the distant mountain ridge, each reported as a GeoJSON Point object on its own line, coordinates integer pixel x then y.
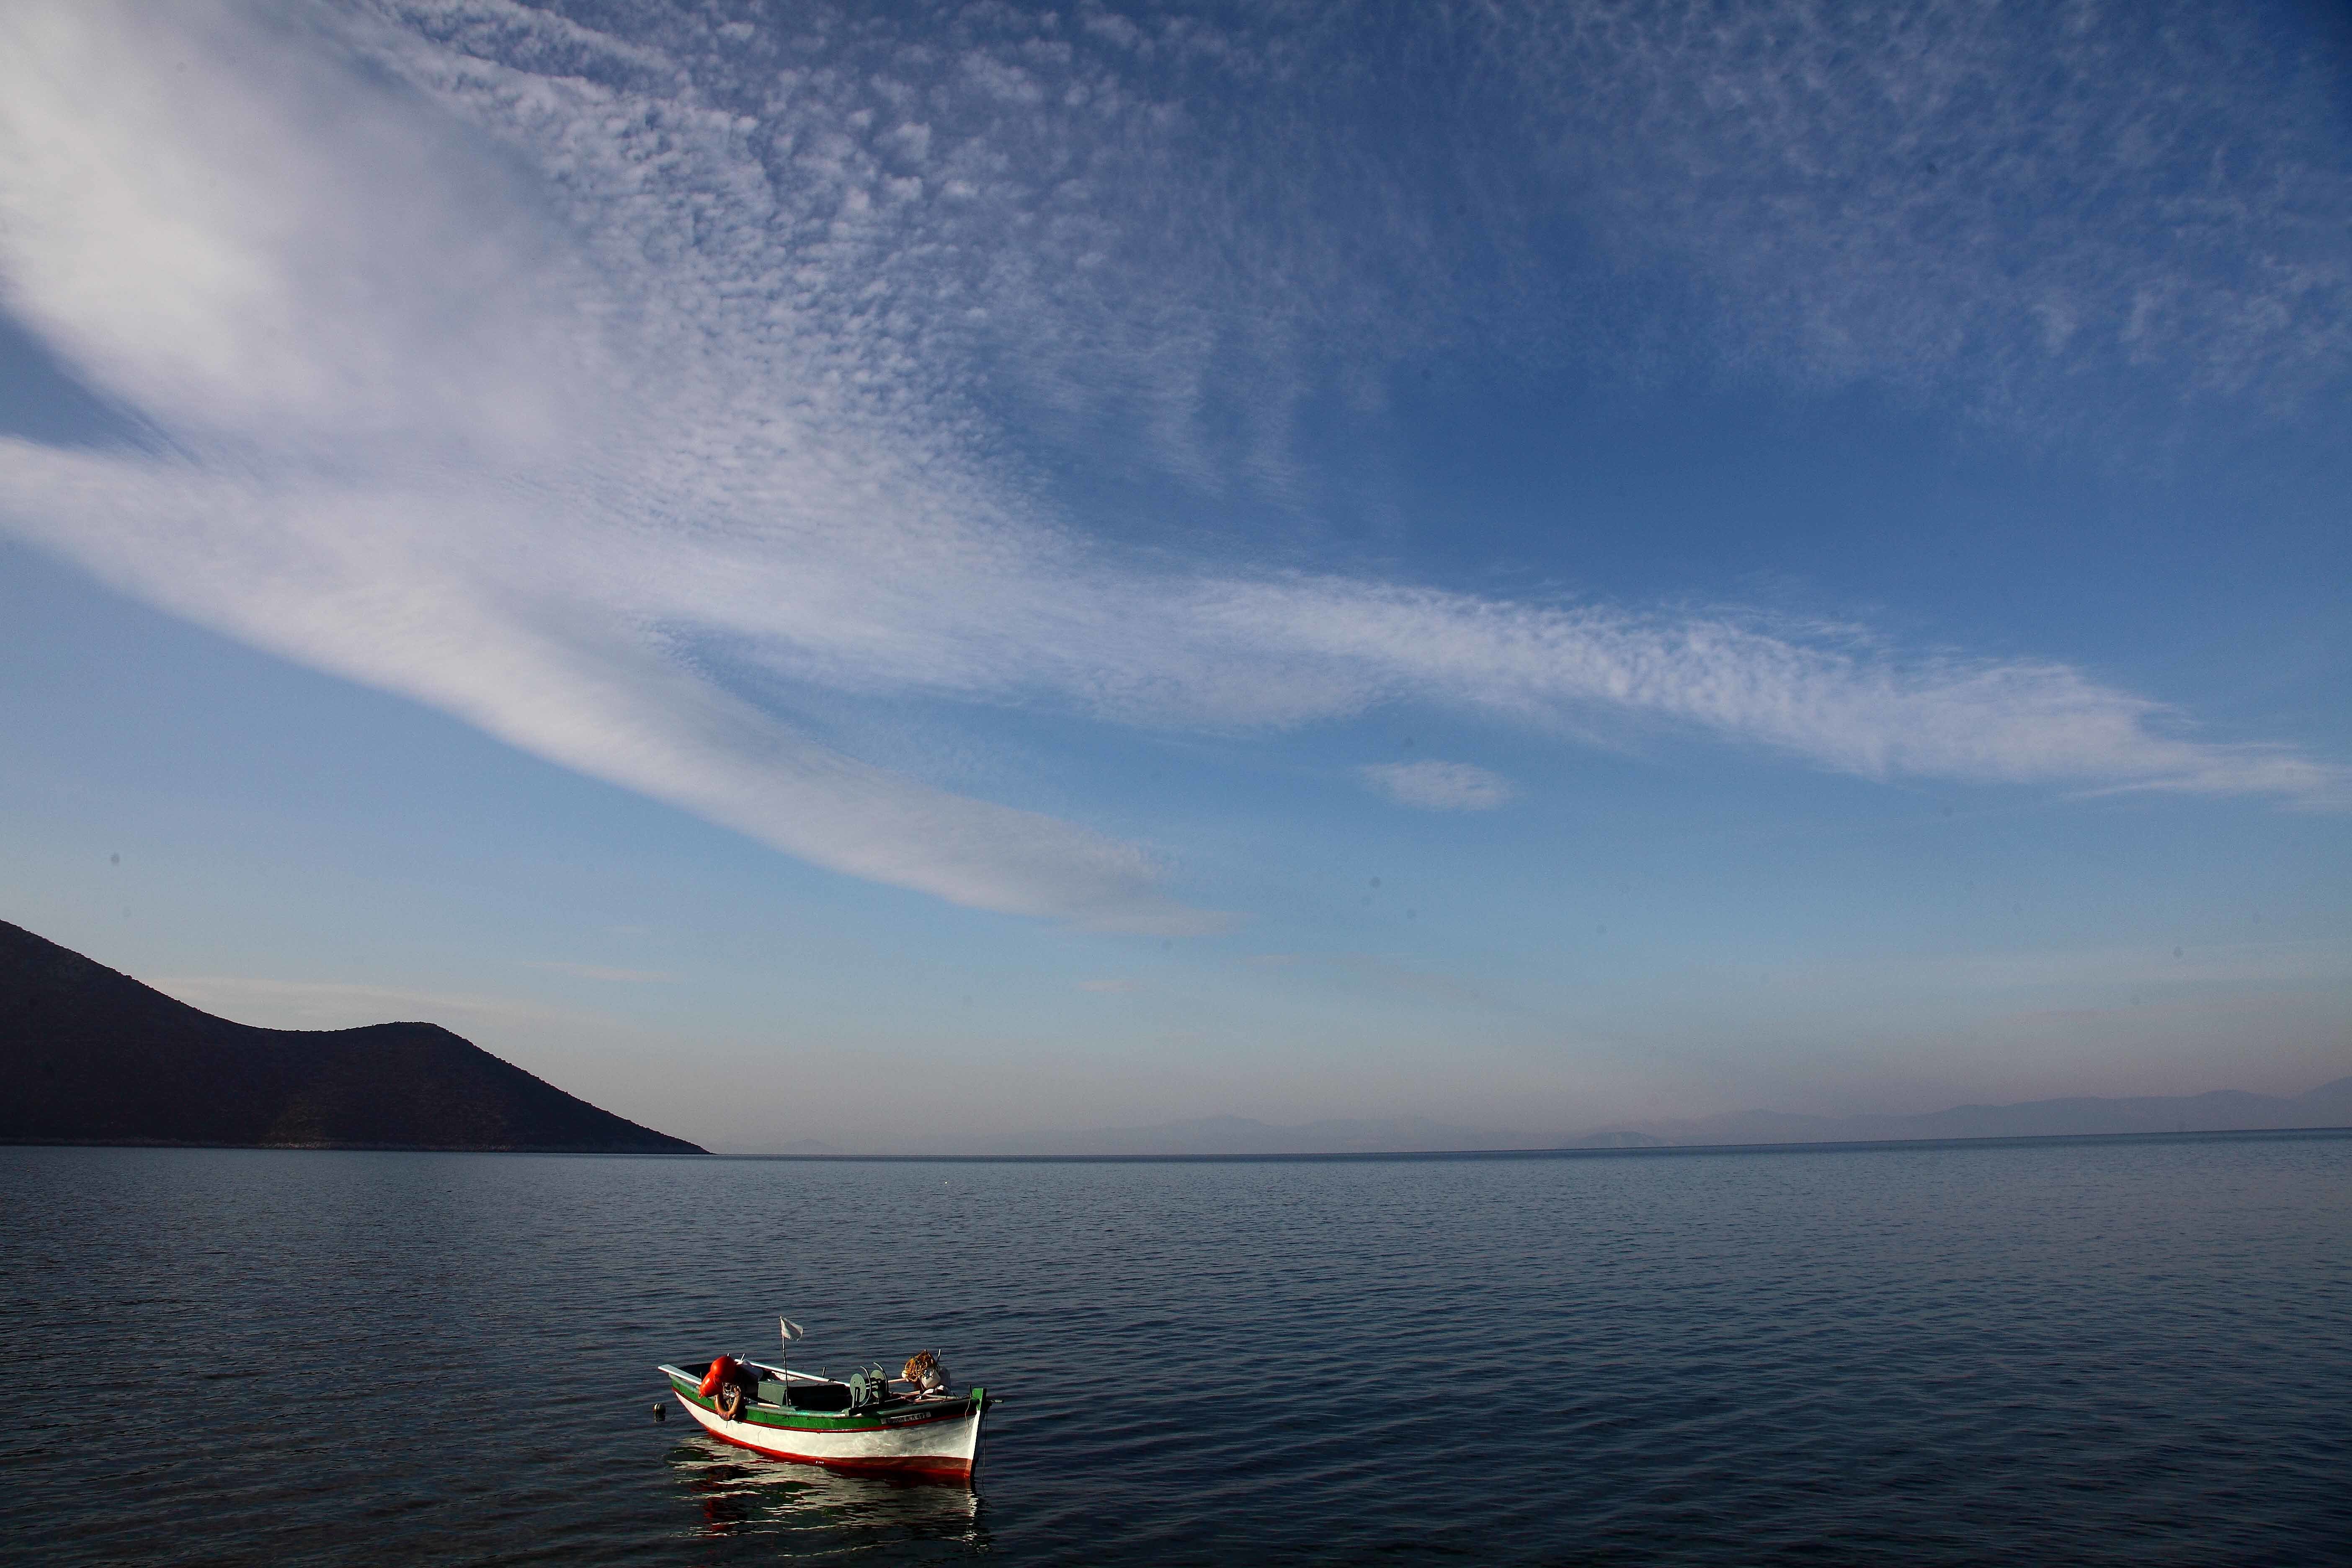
{"type": "Point", "coordinates": [2222, 1110]}
{"type": "Point", "coordinates": [2330, 1105]}
{"type": "Point", "coordinates": [1242, 1135]}
{"type": "Point", "coordinates": [92, 1056]}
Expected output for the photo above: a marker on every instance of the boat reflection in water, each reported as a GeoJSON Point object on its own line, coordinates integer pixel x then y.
{"type": "Point", "coordinates": [829, 1509]}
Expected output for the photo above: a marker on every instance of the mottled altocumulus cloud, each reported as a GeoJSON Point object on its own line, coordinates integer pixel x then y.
{"type": "Point", "coordinates": [526, 361]}
{"type": "Point", "coordinates": [2010, 197]}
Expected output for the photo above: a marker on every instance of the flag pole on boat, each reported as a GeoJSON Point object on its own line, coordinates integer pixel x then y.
{"type": "Point", "coordinates": [791, 1331]}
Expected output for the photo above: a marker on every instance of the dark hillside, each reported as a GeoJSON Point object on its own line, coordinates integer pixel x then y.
{"type": "Point", "coordinates": [89, 1056]}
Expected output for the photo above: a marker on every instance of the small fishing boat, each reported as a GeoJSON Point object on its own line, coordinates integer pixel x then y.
{"type": "Point", "coordinates": [913, 1423]}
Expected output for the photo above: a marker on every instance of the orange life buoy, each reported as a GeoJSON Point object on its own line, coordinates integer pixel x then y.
{"type": "Point", "coordinates": [720, 1370]}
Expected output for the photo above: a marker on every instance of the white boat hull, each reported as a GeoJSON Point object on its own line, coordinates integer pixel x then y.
{"type": "Point", "coordinates": [938, 1439]}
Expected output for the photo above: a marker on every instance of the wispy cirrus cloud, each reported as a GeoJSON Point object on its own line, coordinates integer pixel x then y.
{"type": "Point", "coordinates": [544, 376]}
{"type": "Point", "coordinates": [1434, 785]}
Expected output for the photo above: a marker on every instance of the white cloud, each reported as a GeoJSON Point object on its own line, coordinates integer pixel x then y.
{"type": "Point", "coordinates": [559, 376]}
{"type": "Point", "coordinates": [354, 488]}
{"type": "Point", "coordinates": [1878, 717]}
{"type": "Point", "coordinates": [1440, 786]}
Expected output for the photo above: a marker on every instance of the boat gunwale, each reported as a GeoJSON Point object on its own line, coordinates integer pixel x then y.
{"type": "Point", "coordinates": [889, 1417]}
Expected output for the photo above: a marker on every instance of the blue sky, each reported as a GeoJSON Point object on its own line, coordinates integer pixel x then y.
{"type": "Point", "coordinates": [1018, 567]}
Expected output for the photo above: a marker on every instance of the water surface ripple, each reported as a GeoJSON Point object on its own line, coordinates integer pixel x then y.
{"type": "Point", "coordinates": [2128, 1353]}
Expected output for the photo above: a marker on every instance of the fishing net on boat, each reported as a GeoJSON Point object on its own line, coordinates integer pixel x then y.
{"type": "Point", "coordinates": [926, 1371]}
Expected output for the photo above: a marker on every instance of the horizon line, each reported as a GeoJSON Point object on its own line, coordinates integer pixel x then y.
{"type": "Point", "coordinates": [1565, 1151]}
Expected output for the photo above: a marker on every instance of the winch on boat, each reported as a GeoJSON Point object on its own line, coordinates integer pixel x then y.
{"type": "Point", "coordinates": [870, 1420]}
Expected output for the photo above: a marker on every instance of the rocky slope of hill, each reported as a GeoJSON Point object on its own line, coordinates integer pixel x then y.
{"type": "Point", "coordinates": [92, 1056]}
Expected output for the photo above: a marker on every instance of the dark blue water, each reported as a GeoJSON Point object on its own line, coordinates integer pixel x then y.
{"type": "Point", "coordinates": [2125, 1353]}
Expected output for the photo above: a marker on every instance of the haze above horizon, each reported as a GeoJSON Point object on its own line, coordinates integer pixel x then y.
{"type": "Point", "coordinates": [966, 571]}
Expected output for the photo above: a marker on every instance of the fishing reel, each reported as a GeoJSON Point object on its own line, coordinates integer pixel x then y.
{"type": "Point", "coordinates": [871, 1386]}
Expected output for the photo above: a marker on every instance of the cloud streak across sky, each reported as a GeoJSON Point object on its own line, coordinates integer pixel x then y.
{"type": "Point", "coordinates": [560, 381]}
{"type": "Point", "coordinates": [1440, 786]}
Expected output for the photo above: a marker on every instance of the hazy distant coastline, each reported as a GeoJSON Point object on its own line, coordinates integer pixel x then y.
{"type": "Point", "coordinates": [89, 1055]}
{"type": "Point", "coordinates": [2222, 1111]}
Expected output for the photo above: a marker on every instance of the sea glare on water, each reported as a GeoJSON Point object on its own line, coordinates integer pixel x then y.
{"type": "Point", "coordinates": [2127, 1351]}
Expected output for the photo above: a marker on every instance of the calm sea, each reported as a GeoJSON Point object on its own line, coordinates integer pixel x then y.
{"type": "Point", "coordinates": [2127, 1352]}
